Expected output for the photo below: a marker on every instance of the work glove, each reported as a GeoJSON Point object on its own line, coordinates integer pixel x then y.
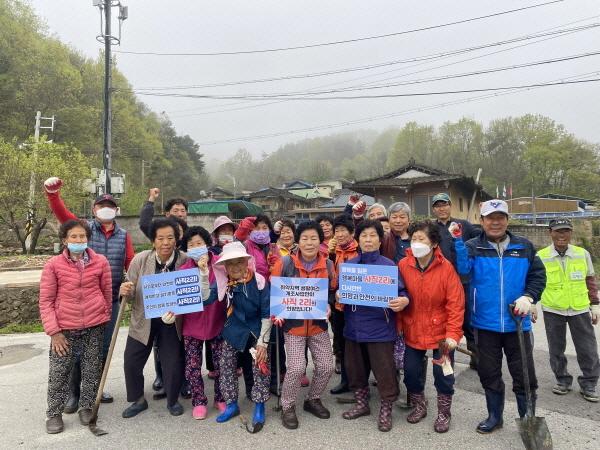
{"type": "Point", "coordinates": [353, 199]}
{"type": "Point", "coordinates": [523, 306]}
{"type": "Point", "coordinates": [595, 312]}
{"type": "Point", "coordinates": [168, 318]}
{"type": "Point", "coordinates": [246, 226]}
{"type": "Point", "coordinates": [455, 230]}
{"type": "Point", "coordinates": [358, 210]}
{"type": "Point", "coordinates": [451, 343]}
{"type": "Point", "coordinates": [534, 313]}
{"type": "Point", "coordinates": [53, 184]}
{"type": "Point", "coordinates": [277, 227]}
{"type": "Point", "coordinates": [277, 321]}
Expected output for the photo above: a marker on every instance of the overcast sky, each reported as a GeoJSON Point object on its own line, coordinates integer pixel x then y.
{"type": "Point", "coordinates": [178, 26]}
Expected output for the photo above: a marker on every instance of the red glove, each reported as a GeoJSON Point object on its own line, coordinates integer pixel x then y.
{"type": "Point", "coordinates": [359, 209]}
{"type": "Point", "coordinates": [53, 184]}
{"type": "Point", "coordinates": [455, 230]}
{"type": "Point", "coordinates": [277, 321]}
{"type": "Point", "coordinates": [353, 199]}
{"type": "Point", "coordinates": [246, 226]}
{"type": "Point", "coordinates": [264, 368]}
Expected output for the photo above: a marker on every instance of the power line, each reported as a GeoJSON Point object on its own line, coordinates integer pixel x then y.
{"type": "Point", "coordinates": [371, 66]}
{"type": "Point", "coordinates": [356, 97]}
{"type": "Point", "coordinates": [385, 86]}
{"type": "Point", "coordinates": [381, 116]}
{"type": "Point", "coordinates": [347, 41]}
{"type": "Point", "coordinates": [254, 105]}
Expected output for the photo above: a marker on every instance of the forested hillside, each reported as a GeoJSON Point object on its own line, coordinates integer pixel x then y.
{"type": "Point", "coordinates": [38, 72]}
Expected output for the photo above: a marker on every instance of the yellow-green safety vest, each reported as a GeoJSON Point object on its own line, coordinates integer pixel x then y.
{"type": "Point", "coordinates": [565, 288]}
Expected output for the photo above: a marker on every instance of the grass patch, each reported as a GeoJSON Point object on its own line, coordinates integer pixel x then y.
{"type": "Point", "coordinates": [141, 247]}
{"type": "Point", "coordinates": [14, 328]}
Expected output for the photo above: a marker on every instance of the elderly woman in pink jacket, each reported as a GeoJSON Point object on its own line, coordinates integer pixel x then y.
{"type": "Point", "coordinates": [75, 304]}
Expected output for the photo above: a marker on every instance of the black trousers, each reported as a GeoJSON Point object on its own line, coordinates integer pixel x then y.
{"type": "Point", "coordinates": [337, 326]}
{"type": "Point", "coordinates": [171, 356]}
{"type": "Point", "coordinates": [490, 345]}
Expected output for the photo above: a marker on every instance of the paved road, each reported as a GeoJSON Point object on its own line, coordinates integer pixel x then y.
{"type": "Point", "coordinates": [574, 423]}
{"type": "Point", "coordinates": [19, 277]}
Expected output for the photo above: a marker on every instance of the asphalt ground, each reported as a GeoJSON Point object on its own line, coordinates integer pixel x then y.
{"type": "Point", "coordinates": [573, 422]}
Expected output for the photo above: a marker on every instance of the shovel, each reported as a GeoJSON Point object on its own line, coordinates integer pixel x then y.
{"type": "Point", "coordinates": [533, 430]}
{"type": "Point", "coordinates": [92, 425]}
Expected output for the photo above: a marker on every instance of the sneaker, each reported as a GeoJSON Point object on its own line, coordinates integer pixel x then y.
{"type": "Point", "coordinates": [199, 412]}
{"type": "Point", "coordinates": [589, 395]}
{"type": "Point", "coordinates": [561, 389]}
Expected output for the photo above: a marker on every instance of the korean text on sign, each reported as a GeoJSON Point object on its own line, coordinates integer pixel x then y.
{"type": "Point", "coordinates": [178, 292]}
{"type": "Point", "coordinates": [299, 298]}
{"type": "Point", "coordinates": [368, 285]}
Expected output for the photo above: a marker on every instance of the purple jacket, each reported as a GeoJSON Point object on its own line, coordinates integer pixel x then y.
{"type": "Point", "coordinates": [207, 324]}
{"type": "Point", "coordinates": [370, 323]}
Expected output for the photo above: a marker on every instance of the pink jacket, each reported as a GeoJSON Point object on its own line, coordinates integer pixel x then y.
{"type": "Point", "coordinates": [207, 324]}
{"type": "Point", "coordinates": [72, 296]}
{"type": "Point", "coordinates": [260, 260]}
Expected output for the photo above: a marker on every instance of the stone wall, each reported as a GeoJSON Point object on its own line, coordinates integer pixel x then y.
{"type": "Point", "coordinates": [582, 235]}
{"type": "Point", "coordinates": [19, 304]}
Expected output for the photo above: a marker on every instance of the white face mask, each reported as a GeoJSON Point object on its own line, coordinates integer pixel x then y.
{"type": "Point", "coordinates": [225, 239]}
{"type": "Point", "coordinates": [106, 213]}
{"type": "Point", "coordinates": [419, 249]}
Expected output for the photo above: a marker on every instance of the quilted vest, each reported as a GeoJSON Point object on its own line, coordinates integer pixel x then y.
{"type": "Point", "coordinates": [113, 249]}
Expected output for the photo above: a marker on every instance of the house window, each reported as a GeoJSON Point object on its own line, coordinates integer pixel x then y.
{"type": "Point", "coordinates": [421, 203]}
{"type": "Point", "coordinates": [460, 204]}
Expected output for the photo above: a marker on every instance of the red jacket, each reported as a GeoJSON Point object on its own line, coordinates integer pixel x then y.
{"type": "Point", "coordinates": [62, 214]}
{"type": "Point", "coordinates": [437, 302]}
{"type": "Point", "coordinates": [73, 296]}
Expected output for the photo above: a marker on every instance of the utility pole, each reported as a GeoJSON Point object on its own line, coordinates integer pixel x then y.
{"type": "Point", "coordinates": [108, 40]}
{"type": "Point", "coordinates": [144, 165]}
{"type": "Point", "coordinates": [31, 203]}
{"type": "Point", "coordinates": [106, 156]}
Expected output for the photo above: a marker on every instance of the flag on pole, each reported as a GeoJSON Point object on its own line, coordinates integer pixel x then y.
{"type": "Point", "coordinates": [497, 194]}
{"type": "Point", "coordinates": [504, 191]}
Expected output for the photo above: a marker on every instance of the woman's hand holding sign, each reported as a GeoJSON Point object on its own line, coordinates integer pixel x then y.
{"type": "Point", "coordinates": [398, 304]}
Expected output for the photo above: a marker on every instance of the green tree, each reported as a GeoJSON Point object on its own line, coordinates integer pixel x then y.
{"type": "Point", "coordinates": [43, 160]}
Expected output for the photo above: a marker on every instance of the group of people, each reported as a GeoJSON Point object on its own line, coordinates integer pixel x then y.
{"type": "Point", "coordinates": [454, 280]}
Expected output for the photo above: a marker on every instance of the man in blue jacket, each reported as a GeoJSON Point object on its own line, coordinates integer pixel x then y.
{"type": "Point", "coordinates": [504, 270]}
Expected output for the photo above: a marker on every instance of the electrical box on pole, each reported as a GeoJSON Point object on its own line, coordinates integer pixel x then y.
{"type": "Point", "coordinates": [108, 40]}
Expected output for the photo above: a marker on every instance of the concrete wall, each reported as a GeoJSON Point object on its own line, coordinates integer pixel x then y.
{"type": "Point", "coordinates": [130, 223]}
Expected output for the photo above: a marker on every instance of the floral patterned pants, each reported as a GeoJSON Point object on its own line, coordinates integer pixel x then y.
{"type": "Point", "coordinates": [229, 380]}
{"type": "Point", "coordinates": [86, 345]}
{"type": "Point", "coordinates": [193, 368]}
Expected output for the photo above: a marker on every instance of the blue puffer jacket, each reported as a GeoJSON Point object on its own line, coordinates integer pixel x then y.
{"type": "Point", "coordinates": [497, 281]}
{"type": "Point", "coordinates": [249, 305]}
{"type": "Point", "coordinates": [370, 323]}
